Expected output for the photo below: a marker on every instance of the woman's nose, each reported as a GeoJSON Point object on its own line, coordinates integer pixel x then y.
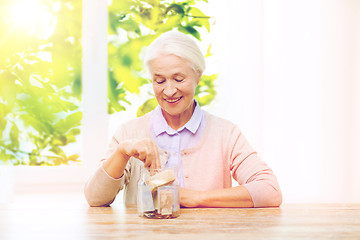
{"type": "Point", "coordinates": [170, 89]}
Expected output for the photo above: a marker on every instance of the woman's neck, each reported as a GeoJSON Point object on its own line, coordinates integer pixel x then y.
{"type": "Point", "coordinates": [177, 121]}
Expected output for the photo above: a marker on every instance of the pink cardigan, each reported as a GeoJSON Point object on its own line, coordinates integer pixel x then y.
{"type": "Point", "coordinates": [222, 153]}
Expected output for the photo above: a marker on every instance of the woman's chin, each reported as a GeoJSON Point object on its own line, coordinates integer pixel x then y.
{"type": "Point", "coordinates": [172, 112]}
{"type": "Point", "coordinates": [171, 108]}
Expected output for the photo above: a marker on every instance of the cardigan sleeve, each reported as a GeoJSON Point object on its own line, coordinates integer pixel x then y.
{"type": "Point", "coordinates": [254, 174]}
{"type": "Point", "coordinates": [101, 189]}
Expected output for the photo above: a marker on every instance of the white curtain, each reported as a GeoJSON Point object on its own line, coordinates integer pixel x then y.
{"type": "Point", "coordinates": [290, 78]}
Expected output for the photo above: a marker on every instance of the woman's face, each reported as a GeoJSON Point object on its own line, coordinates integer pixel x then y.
{"type": "Point", "coordinates": [174, 83]}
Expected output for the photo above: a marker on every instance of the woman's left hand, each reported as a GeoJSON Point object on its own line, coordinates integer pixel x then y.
{"type": "Point", "coordinates": [189, 198]}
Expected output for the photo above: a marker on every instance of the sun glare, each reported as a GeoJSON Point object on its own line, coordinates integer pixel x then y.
{"type": "Point", "coordinates": [32, 17]}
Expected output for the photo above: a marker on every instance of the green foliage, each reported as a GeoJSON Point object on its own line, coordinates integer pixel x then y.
{"type": "Point", "coordinates": [205, 90]}
{"type": "Point", "coordinates": [40, 82]}
{"type": "Point", "coordinates": [40, 69]}
{"type": "Point", "coordinates": [133, 25]}
{"type": "Point", "coordinates": [148, 106]}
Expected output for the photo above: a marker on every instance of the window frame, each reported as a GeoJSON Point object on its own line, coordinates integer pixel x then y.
{"type": "Point", "coordinates": [94, 129]}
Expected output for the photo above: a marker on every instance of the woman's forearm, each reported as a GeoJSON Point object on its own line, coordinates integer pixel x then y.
{"type": "Point", "coordinates": [115, 164]}
{"type": "Point", "coordinates": [229, 197]}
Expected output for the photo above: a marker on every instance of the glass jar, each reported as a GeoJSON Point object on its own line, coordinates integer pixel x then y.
{"type": "Point", "coordinates": [158, 193]}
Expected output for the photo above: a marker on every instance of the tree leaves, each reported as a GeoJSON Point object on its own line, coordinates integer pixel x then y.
{"type": "Point", "coordinates": [14, 136]}
{"type": "Point", "coordinates": [148, 106]}
{"type": "Point", "coordinates": [205, 91]}
{"type": "Point", "coordinates": [40, 87]}
{"type": "Point", "coordinates": [40, 77]}
{"type": "Point", "coordinates": [71, 121]}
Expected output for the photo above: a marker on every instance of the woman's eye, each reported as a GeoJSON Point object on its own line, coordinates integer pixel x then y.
{"type": "Point", "coordinates": [178, 78]}
{"type": "Point", "coordinates": [159, 80]}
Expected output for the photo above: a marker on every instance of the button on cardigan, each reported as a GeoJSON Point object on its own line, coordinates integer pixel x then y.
{"type": "Point", "coordinates": [220, 154]}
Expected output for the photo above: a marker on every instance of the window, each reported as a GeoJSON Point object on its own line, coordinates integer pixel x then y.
{"type": "Point", "coordinates": [40, 83]}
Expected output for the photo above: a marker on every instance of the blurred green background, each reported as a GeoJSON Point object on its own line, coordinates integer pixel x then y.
{"type": "Point", "coordinates": [40, 70]}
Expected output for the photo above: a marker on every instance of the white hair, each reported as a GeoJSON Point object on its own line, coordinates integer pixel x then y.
{"type": "Point", "coordinates": [178, 44]}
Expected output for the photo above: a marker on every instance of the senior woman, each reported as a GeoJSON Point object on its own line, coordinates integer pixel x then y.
{"type": "Point", "coordinates": [207, 150]}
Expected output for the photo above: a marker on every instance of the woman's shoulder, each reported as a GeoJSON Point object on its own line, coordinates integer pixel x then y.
{"type": "Point", "coordinates": [219, 122]}
{"type": "Point", "coordinates": [221, 131]}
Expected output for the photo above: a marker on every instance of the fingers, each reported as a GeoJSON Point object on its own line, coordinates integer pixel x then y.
{"type": "Point", "coordinates": [147, 157]}
{"type": "Point", "coordinates": [152, 159]}
{"type": "Point", "coordinates": [142, 153]}
{"type": "Point", "coordinates": [155, 158]}
{"type": "Point", "coordinates": [145, 150]}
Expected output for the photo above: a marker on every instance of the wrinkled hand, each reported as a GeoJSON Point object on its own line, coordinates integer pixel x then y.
{"type": "Point", "coordinates": [189, 198]}
{"type": "Point", "coordinates": [145, 150]}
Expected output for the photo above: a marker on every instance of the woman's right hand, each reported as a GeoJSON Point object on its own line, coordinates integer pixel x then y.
{"type": "Point", "coordinates": [145, 150]}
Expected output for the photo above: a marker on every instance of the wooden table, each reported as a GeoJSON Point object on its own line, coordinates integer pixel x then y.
{"type": "Point", "coordinates": [60, 217]}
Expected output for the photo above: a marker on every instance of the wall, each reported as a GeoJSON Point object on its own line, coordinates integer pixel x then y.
{"type": "Point", "coordinates": [290, 79]}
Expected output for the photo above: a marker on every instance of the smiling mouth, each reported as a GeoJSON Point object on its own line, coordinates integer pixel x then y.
{"type": "Point", "coordinates": [173, 100]}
